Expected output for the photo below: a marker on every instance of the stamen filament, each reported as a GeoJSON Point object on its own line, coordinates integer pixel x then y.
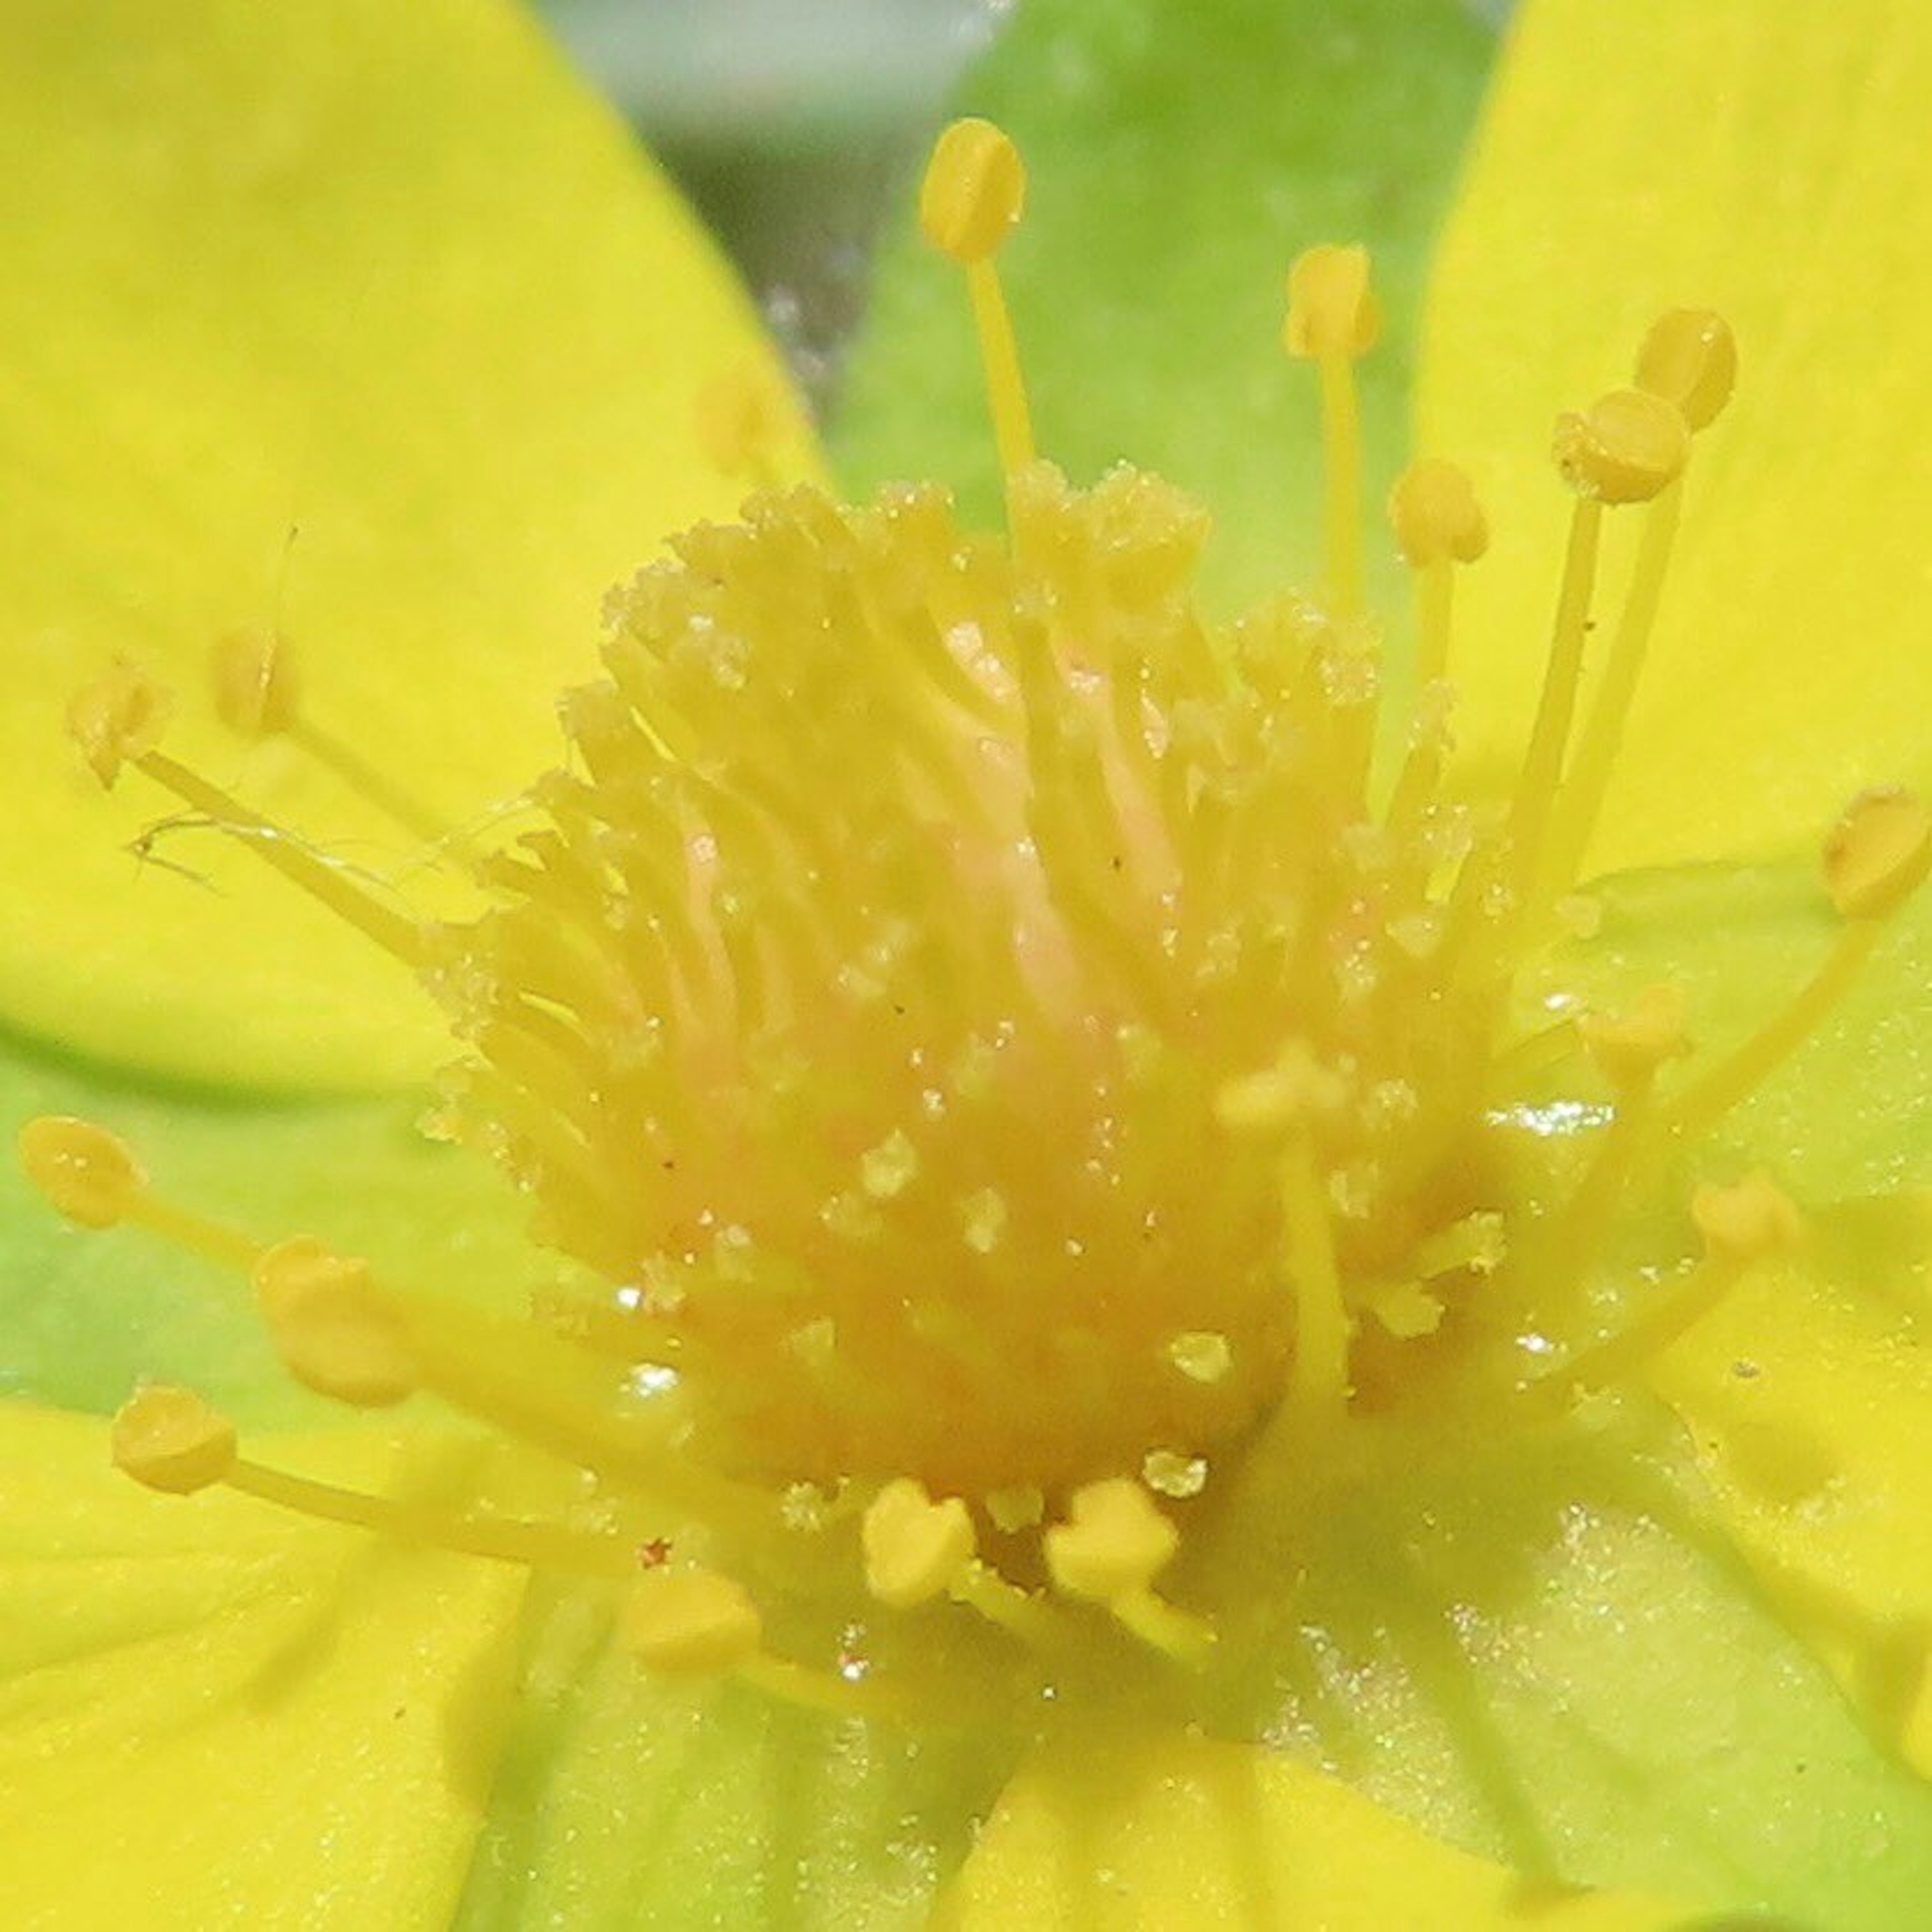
{"type": "Point", "coordinates": [1317, 1391]}
{"type": "Point", "coordinates": [1698, 1106]}
{"type": "Point", "coordinates": [1574, 818]}
{"type": "Point", "coordinates": [396, 934]}
{"type": "Point", "coordinates": [999, 355]}
{"type": "Point", "coordinates": [1556, 709]}
{"type": "Point", "coordinates": [521, 1540]}
{"type": "Point", "coordinates": [1342, 480]}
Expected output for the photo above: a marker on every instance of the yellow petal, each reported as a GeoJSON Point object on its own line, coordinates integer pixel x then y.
{"type": "Point", "coordinates": [1811, 1406]}
{"type": "Point", "coordinates": [1652, 155]}
{"type": "Point", "coordinates": [365, 323]}
{"type": "Point", "coordinates": [211, 1714]}
{"type": "Point", "coordinates": [1167, 1830]}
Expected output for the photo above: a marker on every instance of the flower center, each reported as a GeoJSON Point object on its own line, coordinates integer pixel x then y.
{"type": "Point", "coordinates": [1003, 1055]}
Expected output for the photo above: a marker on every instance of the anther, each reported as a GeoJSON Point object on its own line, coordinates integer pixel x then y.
{"type": "Point", "coordinates": [89, 1175]}
{"type": "Point", "coordinates": [1433, 510]}
{"type": "Point", "coordinates": [916, 1549]}
{"type": "Point", "coordinates": [117, 719]}
{"type": "Point", "coordinates": [256, 690]}
{"type": "Point", "coordinates": [1690, 358]}
{"type": "Point", "coordinates": [168, 1438]}
{"type": "Point", "coordinates": [1747, 1220]}
{"type": "Point", "coordinates": [1332, 309]}
{"type": "Point", "coordinates": [974, 191]}
{"type": "Point", "coordinates": [330, 1326]}
{"type": "Point", "coordinates": [691, 1622]}
{"type": "Point", "coordinates": [1624, 449]}
{"type": "Point", "coordinates": [1630, 1046]}
{"type": "Point", "coordinates": [1878, 853]}
{"type": "Point", "coordinates": [972, 198]}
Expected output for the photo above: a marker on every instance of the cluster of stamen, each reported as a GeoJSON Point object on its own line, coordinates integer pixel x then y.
{"type": "Point", "coordinates": [1006, 1058]}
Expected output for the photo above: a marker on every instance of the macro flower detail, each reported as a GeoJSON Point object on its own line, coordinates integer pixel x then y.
{"type": "Point", "coordinates": [1077, 1187]}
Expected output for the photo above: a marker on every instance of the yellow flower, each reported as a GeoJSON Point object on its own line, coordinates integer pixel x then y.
{"type": "Point", "coordinates": [1209, 1302]}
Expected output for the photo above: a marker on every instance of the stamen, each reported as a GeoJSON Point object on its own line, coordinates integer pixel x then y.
{"type": "Point", "coordinates": [91, 1176]}
{"type": "Point", "coordinates": [1112, 1545]}
{"type": "Point", "coordinates": [258, 695]}
{"type": "Point", "coordinates": [973, 195]}
{"type": "Point", "coordinates": [1689, 359]}
{"type": "Point", "coordinates": [1437, 524]}
{"type": "Point", "coordinates": [1631, 1048]}
{"type": "Point", "coordinates": [170, 1439]}
{"type": "Point", "coordinates": [1741, 1226]}
{"type": "Point", "coordinates": [916, 1550]}
{"type": "Point", "coordinates": [1877, 855]}
{"type": "Point", "coordinates": [693, 1622]}
{"type": "Point", "coordinates": [1291, 1095]}
{"type": "Point", "coordinates": [1333, 318]}
{"type": "Point", "coordinates": [117, 720]}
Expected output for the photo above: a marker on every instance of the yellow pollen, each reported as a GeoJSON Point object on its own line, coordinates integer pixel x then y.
{"type": "Point", "coordinates": [1624, 449]}
{"type": "Point", "coordinates": [1114, 1542]}
{"type": "Point", "coordinates": [170, 1439]}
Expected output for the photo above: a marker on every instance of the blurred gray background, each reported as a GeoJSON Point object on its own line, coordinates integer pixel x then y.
{"type": "Point", "coordinates": [787, 122]}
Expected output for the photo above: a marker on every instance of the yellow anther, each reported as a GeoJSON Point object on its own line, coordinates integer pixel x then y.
{"type": "Point", "coordinates": [916, 1549]}
{"type": "Point", "coordinates": [1405, 1309]}
{"type": "Point", "coordinates": [1332, 310]}
{"type": "Point", "coordinates": [330, 1326]}
{"type": "Point", "coordinates": [168, 1438]}
{"type": "Point", "coordinates": [1878, 853]}
{"type": "Point", "coordinates": [691, 1623]}
{"type": "Point", "coordinates": [1690, 358]}
{"type": "Point", "coordinates": [1435, 516]}
{"type": "Point", "coordinates": [1296, 1089]}
{"type": "Point", "coordinates": [974, 191]}
{"type": "Point", "coordinates": [1747, 1221]}
{"type": "Point", "coordinates": [1631, 1045]}
{"type": "Point", "coordinates": [118, 719]}
{"type": "Point", "coordinates": [1114, 1543]}
{"type": "Point", "coordinates": [89, 1175]}
{"type": "Point", "coordinates": [1625, 449]}
{"type": "Point", "coordinates": [256, 690]}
